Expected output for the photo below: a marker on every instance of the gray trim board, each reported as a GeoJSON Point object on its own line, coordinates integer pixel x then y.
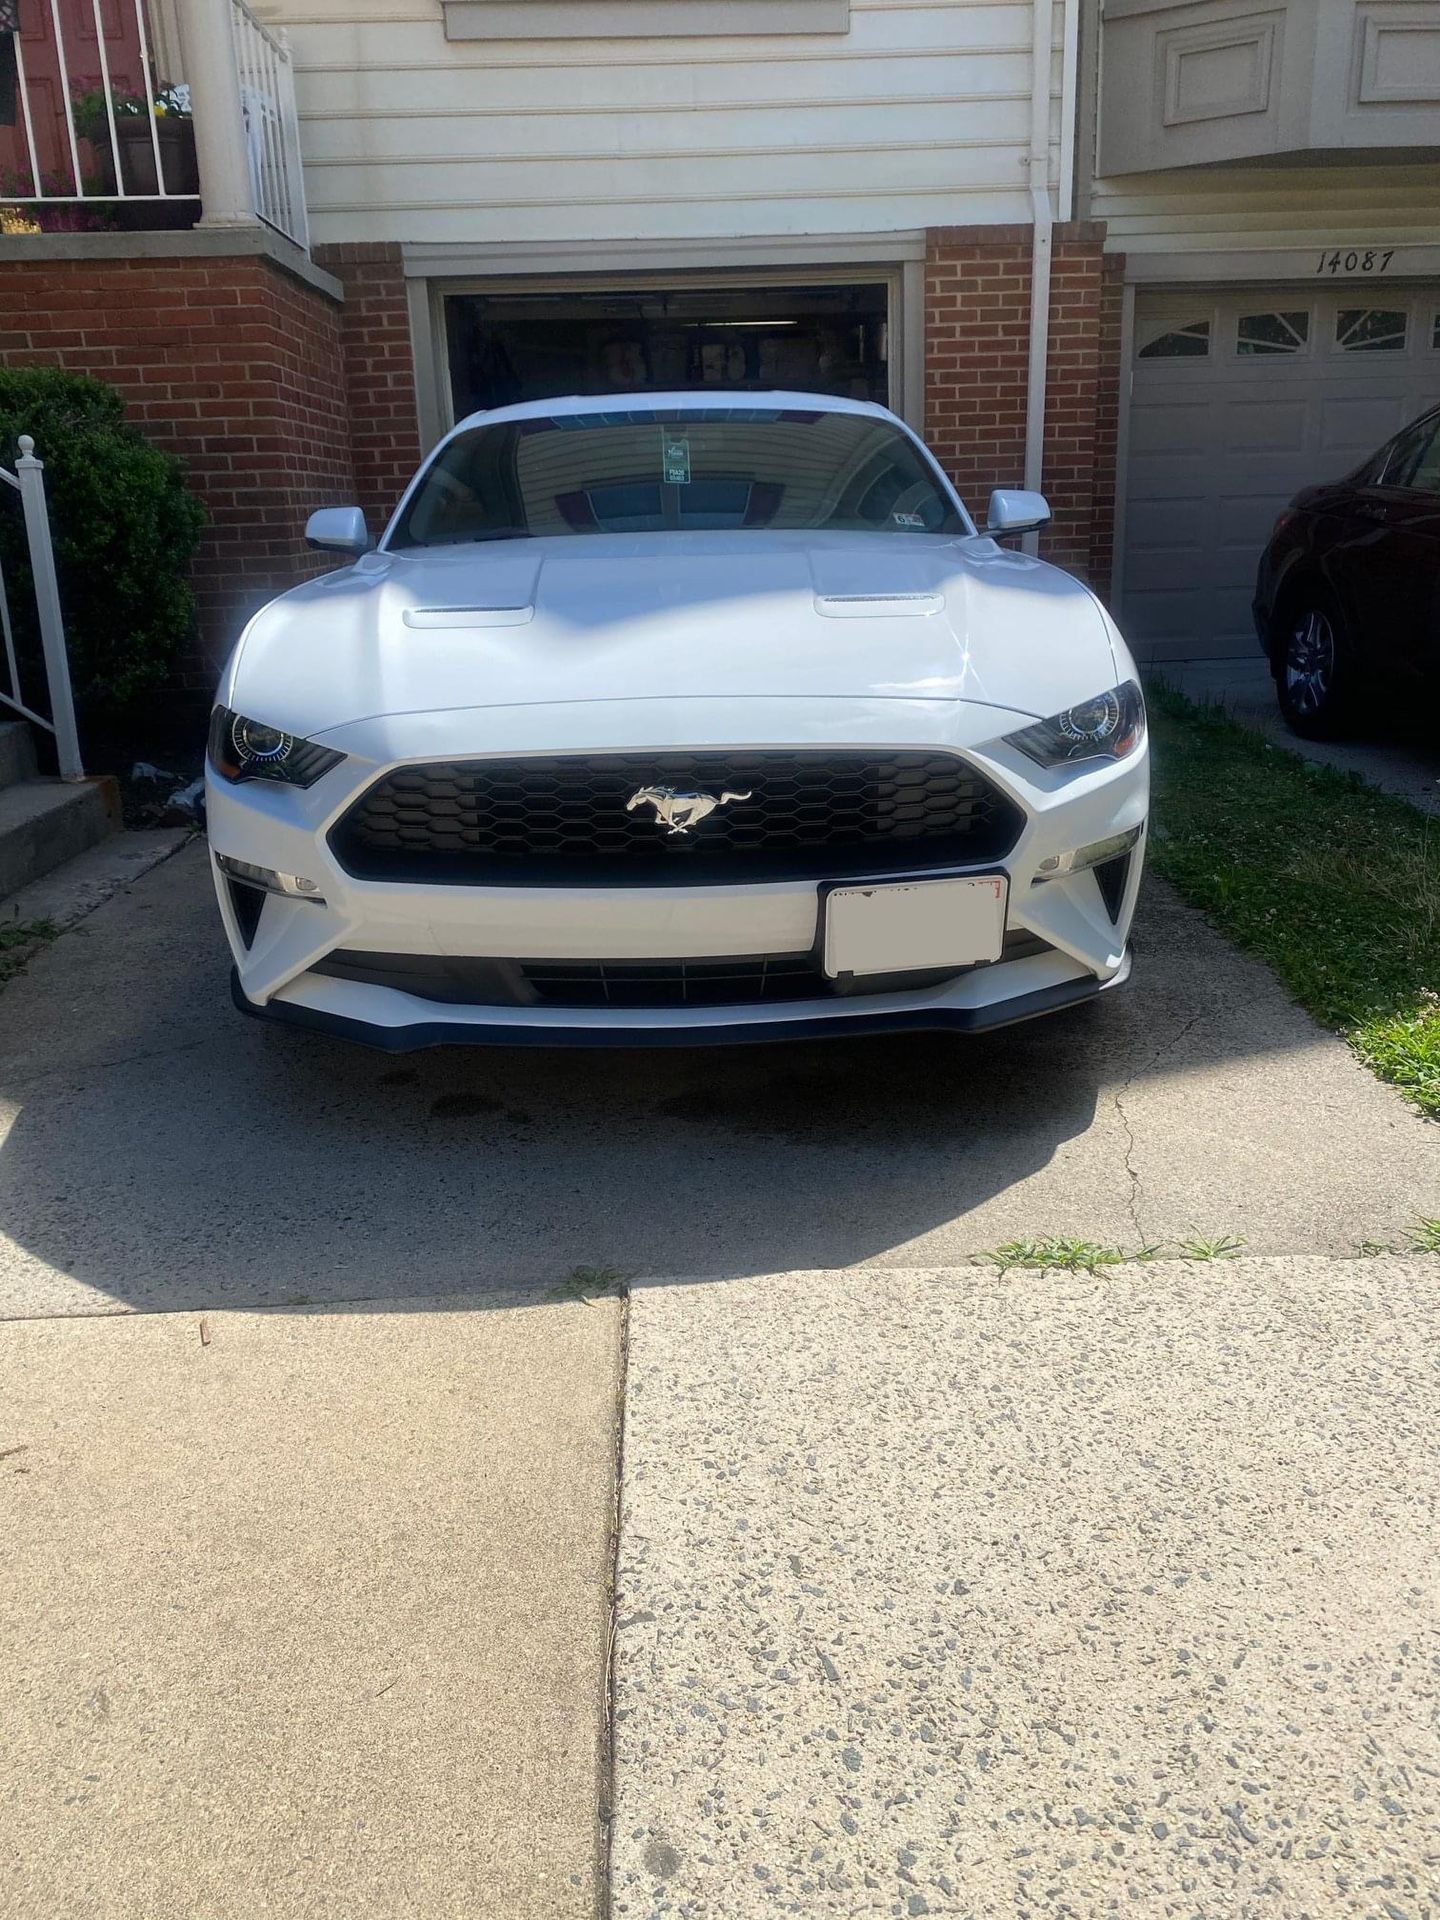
{"type": "Point", "coordinates": [1293, 261]}
{"type": "Point", "coordinates": [638, 19]}
{"type": "Point", "coordinates": [1122, 451]}
{"type": "Point", "coordinates": [507, 259]}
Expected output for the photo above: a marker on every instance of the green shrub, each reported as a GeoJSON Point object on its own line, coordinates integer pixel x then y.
{"type": "Point", "coordinates": [125, 529]}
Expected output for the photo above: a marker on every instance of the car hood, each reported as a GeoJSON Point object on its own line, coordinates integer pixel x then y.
{"type": "Point", "coordinates": [673, 617]}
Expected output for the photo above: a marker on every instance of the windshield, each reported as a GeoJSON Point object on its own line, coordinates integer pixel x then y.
{"type": "Point", "coordinates": [681, 470]}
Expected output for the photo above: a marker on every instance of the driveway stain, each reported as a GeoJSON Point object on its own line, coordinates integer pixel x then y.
{"type": "Point", "coordinates": [463, 1106]}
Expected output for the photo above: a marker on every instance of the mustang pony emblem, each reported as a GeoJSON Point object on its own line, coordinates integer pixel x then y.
{"type": "Point", "coordinates": [680, 808]}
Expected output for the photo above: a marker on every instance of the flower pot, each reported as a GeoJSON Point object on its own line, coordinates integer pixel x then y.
{"type": "Point", "coordinates": [176, 137]}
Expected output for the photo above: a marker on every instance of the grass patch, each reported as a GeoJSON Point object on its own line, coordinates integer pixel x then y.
{"type": "Point", "coordinates": [1425, 1237]}
{"type": "Point", "coordinates": [1062, 1255]}
{"type": "Point", "coordinates": [18, 943]}
{"type": "Point", "coordinates": [1333, 883]}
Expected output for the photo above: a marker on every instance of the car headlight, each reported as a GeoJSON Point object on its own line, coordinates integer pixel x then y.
{"type": "Point", "coordinates": [1105, 728]}
{"type": "Point", "coordinates": [243, 749]}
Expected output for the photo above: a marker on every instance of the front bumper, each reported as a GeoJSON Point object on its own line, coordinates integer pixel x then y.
{"type": "Point", "coordinates": [383, 1024]}
{"type": "Point", "coordinates": [1085, 943]}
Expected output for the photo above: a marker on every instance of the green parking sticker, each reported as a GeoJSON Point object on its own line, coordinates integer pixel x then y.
{"type": "Point", "coordinates": [676, 460]}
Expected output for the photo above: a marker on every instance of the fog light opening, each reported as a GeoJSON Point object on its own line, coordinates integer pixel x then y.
{"type": "Point", "coordinates": [1059, 866]}
{"type": "Point", "coordinates": [291, 886]}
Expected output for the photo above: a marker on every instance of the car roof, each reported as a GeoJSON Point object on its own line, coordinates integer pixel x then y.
{"type": "Point", "coordinates": [689, 398]}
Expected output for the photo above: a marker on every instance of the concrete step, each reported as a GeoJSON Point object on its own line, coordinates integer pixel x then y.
{"type": "Point", "coordinates": [17, 753]}
{"type": "Point", "coordinates": [43, 822]}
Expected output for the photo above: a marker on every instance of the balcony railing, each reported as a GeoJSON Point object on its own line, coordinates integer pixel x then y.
{"type": "Point", "coordinates": [102, 136]}
{"type": "Point", "coordinates": [272, 129]}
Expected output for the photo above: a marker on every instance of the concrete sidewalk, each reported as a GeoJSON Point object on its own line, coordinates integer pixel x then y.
{"type": "Point", "coordinates": [308, 1620]}
{"type": "Point", "coordinates": [954, 1593]}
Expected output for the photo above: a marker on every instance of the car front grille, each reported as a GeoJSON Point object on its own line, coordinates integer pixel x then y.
{"type": "Point", "coordinates": [567, 820]}
{"type": "Point", "coordinates": [754, 980]}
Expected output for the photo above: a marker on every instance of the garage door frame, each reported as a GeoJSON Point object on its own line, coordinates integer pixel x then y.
{"type": "Point", "coordinates": [895, 260]}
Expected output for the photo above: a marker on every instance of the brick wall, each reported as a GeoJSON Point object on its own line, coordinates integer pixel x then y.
{"type": "Point", "coordinates": [379, 372]}
{"type": "Point", "coordinates": [232, 364]}
{"type": "Point", "coordinates": [977, 328]}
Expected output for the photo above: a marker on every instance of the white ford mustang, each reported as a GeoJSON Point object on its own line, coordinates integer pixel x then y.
{"type": "Point", "coordinates": [678, 717]}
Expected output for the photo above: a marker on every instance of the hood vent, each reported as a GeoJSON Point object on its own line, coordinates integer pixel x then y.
{"type": "Point", "coordinates": [452, 619]}
{"type": "Point", "coordinates": [878, 606]}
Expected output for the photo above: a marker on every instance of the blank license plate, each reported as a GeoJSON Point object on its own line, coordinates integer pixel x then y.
{"type": "Point", "coordinates": [904, 924]}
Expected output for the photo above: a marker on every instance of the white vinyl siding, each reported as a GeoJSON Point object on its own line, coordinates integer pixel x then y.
{"type": "Point", "coordinates": [1261, 207]}
{"type": "Point", "coordinates": [918, 116]}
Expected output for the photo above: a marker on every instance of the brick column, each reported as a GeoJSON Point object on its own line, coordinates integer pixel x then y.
{"type": "Point", "coordinates": [977, 317]}
{"type": "Point", "coordinates": [379, 366]}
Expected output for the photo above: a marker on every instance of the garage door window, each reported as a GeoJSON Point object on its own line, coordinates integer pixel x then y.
{"type": "Point", "coordinates": [1272, 333]}
{"type": "Point", "coordinates": [1370, 329]}
{"type": "Point", "coordinates": [1190, 342]}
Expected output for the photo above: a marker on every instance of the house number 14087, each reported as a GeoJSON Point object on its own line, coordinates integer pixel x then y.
{"type": "Point", "coordinates": [1357, 260]}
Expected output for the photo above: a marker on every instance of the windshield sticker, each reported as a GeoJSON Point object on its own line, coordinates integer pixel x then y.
{"type": "Point", "coordinates": [908, 519]}
{"type": "Point", "coordinates": [676, 459]}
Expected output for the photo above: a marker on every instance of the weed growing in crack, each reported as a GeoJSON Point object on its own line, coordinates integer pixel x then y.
{"type": "Point", "coordinates": [1064, 1255]}
{"type": "Point", "coordinates": [1061, 1255]}
{"type": "Point", "coordinates": [1224, 1247]}
{"type": "Point", "coordinates": [20, 942]}
{"type": "Point", "coordinates": [593, 1283]}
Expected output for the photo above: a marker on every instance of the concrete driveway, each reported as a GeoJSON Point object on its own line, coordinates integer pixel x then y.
{"type": "Point", "coordinates": [302, 1394]}
{"type": "Point", "coordinates": [164, 1152]}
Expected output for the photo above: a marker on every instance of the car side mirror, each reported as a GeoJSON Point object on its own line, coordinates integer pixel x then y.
{"type": "Point", "coordinates": [338, 530]}
{"type": "Point", "coordinates": [1013, 510]}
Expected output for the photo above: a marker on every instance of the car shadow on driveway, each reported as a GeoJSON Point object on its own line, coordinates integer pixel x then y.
{"type": "Point", "coordinates": [166, 1153]}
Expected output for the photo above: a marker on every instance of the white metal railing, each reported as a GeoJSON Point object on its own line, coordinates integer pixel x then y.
{"type": "Point", "coordinates": [119, 115]}
{"type": "Point", "coordinates": [85, 143]}
{"type": "Point", "coordinates": [272, 127]}
{"type": "Point", "coordinates": [28, 480]}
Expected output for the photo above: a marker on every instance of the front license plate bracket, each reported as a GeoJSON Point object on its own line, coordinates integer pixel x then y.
{"type": "Point", "coordinates": [921, 925]}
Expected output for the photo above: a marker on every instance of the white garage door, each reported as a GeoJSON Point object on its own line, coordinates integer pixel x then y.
{"type": "Point", "coordinates": [1238, 400]}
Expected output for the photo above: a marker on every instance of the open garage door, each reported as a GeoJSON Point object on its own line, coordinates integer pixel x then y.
{"type": "Point", "coordinates": [1239, 399]}
{"type": "Point", "coordinates": [505, 345]}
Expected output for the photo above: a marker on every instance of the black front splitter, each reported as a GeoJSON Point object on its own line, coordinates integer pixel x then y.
{"type": "Point", "coordinates": [456, 1033]}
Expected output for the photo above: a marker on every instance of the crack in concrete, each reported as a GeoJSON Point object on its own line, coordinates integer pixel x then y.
{"type": "Point", "coordinates": [1118, 1099]}
{"type": "Point", "coordinates": [606, 1809]}
{"type": "Point", "coordinates": [76, 1071]}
